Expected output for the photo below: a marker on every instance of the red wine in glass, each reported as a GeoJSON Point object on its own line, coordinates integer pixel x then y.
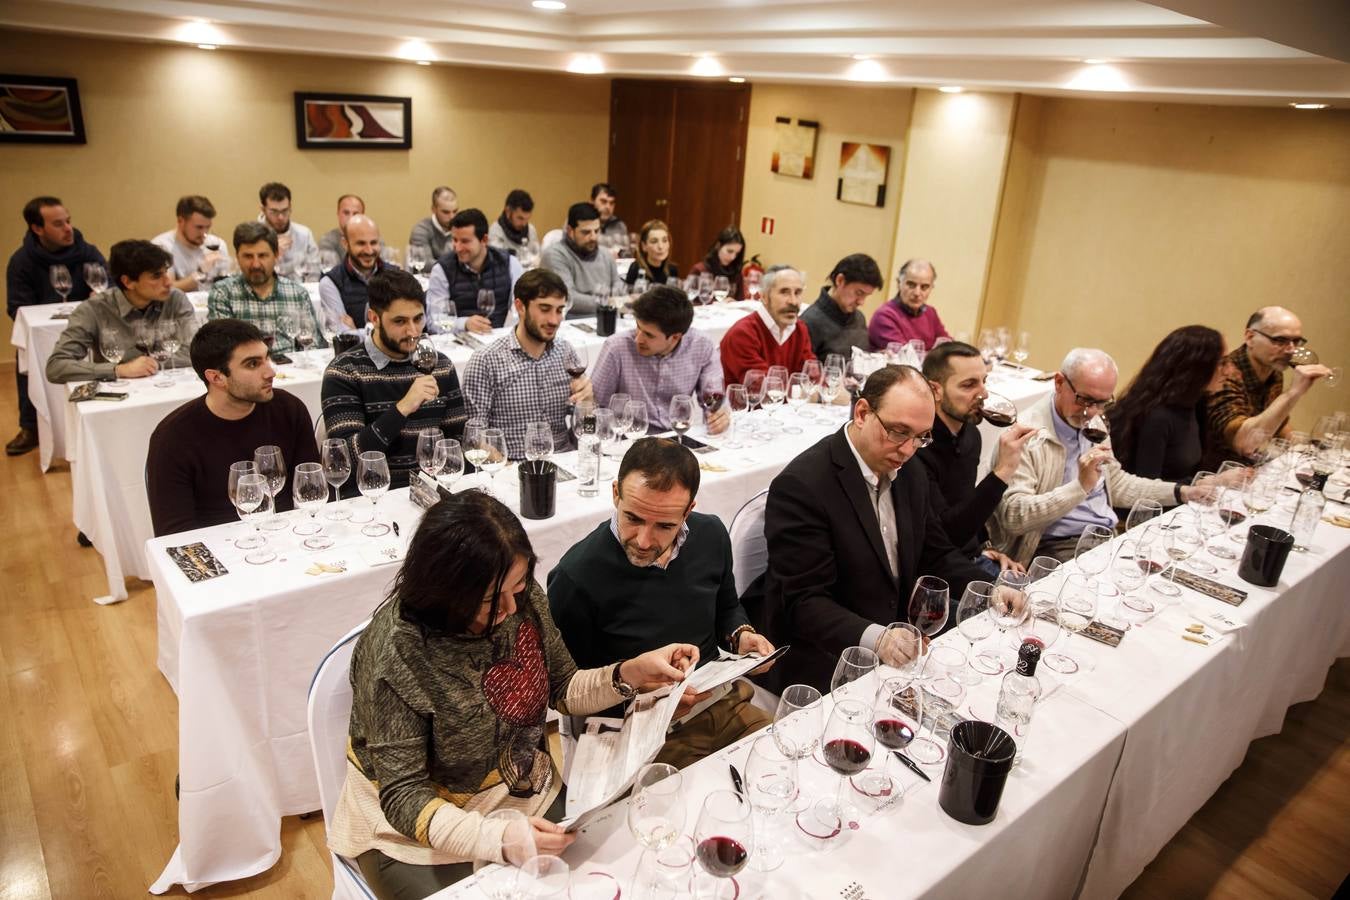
{"type": "Point", "coordinates": [711, 401]}
{"type": "Point", "coordinates": [1231, 517]}
{"type": "Point", "coordinates": [846, 757]}
{"type": "Point", "coordinates": [575, 371]}
{"type": "Point", "coordinates": [892, 733]}
{"type": "Point", "coordinates": [1095, 435]}
{"type": "Point", "coordinates": [1149, 566]}
{"type": "Point", "coordinates": [998, 419]}
{"type": "Point", "coordinates": [722, 857]}
{"type": "Point", "coordinates": [304, 341]}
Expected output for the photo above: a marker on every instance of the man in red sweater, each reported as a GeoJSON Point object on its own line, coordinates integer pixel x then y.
{"type": "Point", "coordinates": [771, 336]}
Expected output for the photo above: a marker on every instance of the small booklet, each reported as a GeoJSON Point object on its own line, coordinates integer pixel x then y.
{"type": "Point", "coordinates": [1230, 595]}
{"type": "Point", "coordinates": [1103, 634]}
{"type": "Point", "coordinates": [197, 562]}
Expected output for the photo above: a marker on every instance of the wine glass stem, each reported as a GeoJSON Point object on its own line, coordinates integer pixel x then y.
{"type": "Point", "coordinates": [839, 798]}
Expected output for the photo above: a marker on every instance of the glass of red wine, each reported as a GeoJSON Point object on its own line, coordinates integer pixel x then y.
{"type": "Point", "coordinates": [1095, 429]}
{"type": "Point", "coordinates": [895, 723]}
{"type": "Point", "coordinates": [846, 744]}
{"type": "Point", "coordinates": [722, 841]}
{"type": "Point", "coordinates": [424, 356]}
{"type": "Point", "coordinates": [710, 397]}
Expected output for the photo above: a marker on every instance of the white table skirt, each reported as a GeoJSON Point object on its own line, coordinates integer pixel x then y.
{"type": "Point", "coordinates": [109, 442]}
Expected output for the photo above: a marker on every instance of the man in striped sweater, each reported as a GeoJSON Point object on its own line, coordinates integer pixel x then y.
{"type": "Point", "coordinates": [372, 394]}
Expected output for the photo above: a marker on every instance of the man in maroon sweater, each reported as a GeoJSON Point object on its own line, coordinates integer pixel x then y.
{"type": "Point", "coordinates": [771, 335]}
{"type": "Point", "coordinates": [188, 466]}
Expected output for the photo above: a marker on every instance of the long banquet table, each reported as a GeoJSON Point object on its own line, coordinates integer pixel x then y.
{"type": "Point", "coordinates": [108, 443]}
{"type": "Point", "coordinates": [240, 649]}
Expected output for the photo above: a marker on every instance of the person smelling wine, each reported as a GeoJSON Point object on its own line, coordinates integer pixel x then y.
{"type": "Point", "coordinates": [375, 395]}
{"type": "Point", "coordinates": [957, 374]}
{"type": "Point", "coordinates": [1071, 479]}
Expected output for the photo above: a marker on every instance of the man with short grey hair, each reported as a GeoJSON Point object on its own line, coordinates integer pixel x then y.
{"type": "Point", "coordinates": [772, 335]}
{"type": "Point", "coordinates": [1069, 482]}
{"type": "Point", "coordinates": [907, 316]}
{"type": "Point", "coordinates": [433, 232]}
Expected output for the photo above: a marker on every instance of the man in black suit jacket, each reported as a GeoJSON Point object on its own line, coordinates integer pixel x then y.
{"type": "Point", "coordinates": [845, 551]}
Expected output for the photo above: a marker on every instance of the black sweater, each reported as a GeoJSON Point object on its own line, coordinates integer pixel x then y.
{"type": "Point", "coordinates": [1166, 445]}
{"type": "Point", "coordinates": [964, 507]}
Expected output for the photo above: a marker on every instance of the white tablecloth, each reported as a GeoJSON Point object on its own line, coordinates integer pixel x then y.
{"type": "Point", "coordinates": [108, 443]}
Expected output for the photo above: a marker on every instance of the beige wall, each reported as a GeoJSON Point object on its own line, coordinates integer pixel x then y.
{"type": "Point", "coordinates": [1121, 221]}
{"type": "Point", "coordinates": [813, 230]}
{"type": "Point", "coordinates": [163, 121]}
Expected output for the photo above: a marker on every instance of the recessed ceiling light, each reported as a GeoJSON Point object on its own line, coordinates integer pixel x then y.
{"type": "Point", "coordinates": [861, 56]}
{"type": "Point", "coordinates": [951, 89]}
{"type": "Point", "coordinates": [424, 62]}
{"type": "Point", "coordinates": [551, 5]}
{"type": "Point", "coordinates": [206, 46]}
{"type": "Point", "coordinates": [1094, 62]}
{"type": "Point", "coordinates": [867, 70]}
{"type": "Point", "coordinates": [1309, 105]}
{"type": "Point", "coordinates": [707, 67]}
{"type": "Point", "coordinates": [586, 64]}
{"type": "Point", "coordinates": [736, 79]}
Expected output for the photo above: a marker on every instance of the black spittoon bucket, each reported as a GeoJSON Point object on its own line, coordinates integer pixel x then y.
{"type": "Point", "coordinates": [979, 758]}
{"type": "Point", "coordinates": [538, 488]}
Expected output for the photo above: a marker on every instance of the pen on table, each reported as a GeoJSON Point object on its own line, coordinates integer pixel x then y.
{"type": "Point", "coordinates": [911, 765]}
{"type": "Point", "coordinates": [396, 534]}
{"type": "Point", "coordinates": [736, 780]}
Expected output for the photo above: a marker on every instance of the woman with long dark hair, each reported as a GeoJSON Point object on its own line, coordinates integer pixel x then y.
{"type": "Point", "coordinates": [653, 256]}
{"type": "Point", "coordinates": [451, 683]}
{"type": "Point", "coordinates": [726, 257]}
{"type": "Point", "coordinates": [1155, 426]}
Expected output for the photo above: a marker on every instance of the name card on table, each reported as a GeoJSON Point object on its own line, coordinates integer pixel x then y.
{"type": "Point", "coordinates": [197, 562]}
{"type": "Point", "coordinates": [1230, 595]}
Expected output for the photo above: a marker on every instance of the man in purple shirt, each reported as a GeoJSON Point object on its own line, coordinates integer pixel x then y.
{"type": "Point", "coordinates": [907, 316]}
{"type": "Point", "coordinates": [661, 359]}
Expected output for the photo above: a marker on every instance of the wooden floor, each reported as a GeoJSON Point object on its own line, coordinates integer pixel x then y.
{"type": "Point", "coordinates": [88, 751]}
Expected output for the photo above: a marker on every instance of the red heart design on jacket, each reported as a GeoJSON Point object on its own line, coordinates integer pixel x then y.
{"type": "Point", "coordinates": [517, 688]}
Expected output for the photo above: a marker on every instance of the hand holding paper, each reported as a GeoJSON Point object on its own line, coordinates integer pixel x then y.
{"type": "Point", "coordinates": [660, 667]}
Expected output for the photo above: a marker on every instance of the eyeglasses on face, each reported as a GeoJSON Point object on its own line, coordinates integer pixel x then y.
{"type": "Point", "coordinates": [902, 436]}
{"type": "Point", "coordinates": [1281, 341]}
{"type": "Point", "coordinates": [1088, 402]}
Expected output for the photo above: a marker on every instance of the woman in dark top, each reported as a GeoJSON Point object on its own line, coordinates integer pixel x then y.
{"type": "Point", "coordinates": [653, 256]}
{"type": "Point", "coordinates": [726, 257]}
{"type": "Point", "coordinates": [1155, 427]}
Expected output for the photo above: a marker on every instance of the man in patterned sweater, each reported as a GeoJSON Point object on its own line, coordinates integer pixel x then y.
{"type": "Point", "coordinates": [374, 397]}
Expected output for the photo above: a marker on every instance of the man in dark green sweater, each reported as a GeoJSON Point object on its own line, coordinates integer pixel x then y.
{"type": "Point", "coordinates": [657, 572]}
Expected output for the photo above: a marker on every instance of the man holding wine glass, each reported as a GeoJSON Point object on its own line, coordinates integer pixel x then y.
{"type": "Point", "coordinates": [469, 267]}
{"type": "Point", "coordinates": [191, 451]}
{"type": "Point", "coordinates": [197, 253]}
{"type": "Point", "coordinates": [258, 295]}
{"type": "Point", "coordinates": [661, 359]}
{"type": "Point", "coordinates": [111, 324]}
{"type": "Point", "coordinates": [1071, 480]}
{"type": "Point", "coordinates": [383, 393]}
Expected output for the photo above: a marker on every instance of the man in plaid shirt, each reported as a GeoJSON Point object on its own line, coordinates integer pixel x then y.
{"type": "Point", "coordinates": [522, 377]}
{"type": "Point", "coordinates": [258, 296]}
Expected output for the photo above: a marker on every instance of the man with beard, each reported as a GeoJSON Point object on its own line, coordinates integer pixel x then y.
{"type": "Point", "coordinates": [770, 336]}
{"type": "Point", "coordinates": [258, 295]}
{"type": "Point", "coordinates": [1251, 404]}
{"type": "Point", "coordinates": [469, 267]}
{"type": "Point", "coordinates": [191, 451]}
{"type": "Point", "coordinates": [522, 377]}
{"type": "Point", "coordinates": [907, 316]}
{"type": "Point", "coordinates": [513, 232]}
{"type": "Point", "coordinates": [197, 253]}
{"type": "Point", "coordinates": [588, 273]}
{"type": "Point", "coordinates": [373, 395]}
{"type": "Point", "coordinates": [342, 290]}
{"type": "Point", "coordinates": [957, 375]}
{"type": "Point", "coordinates": [143, 304]}
{"type": "Point", "coordinates": [835, 321]}
{"type": "Point", "coordinates": [657, 572]}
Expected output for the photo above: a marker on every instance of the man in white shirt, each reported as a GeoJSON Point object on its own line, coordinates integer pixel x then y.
{"type": "Point", "coordinates": [297, 254]}
{"type": "Point", "coordinates": [198, 255]}
{"type": "Point", "coordinates": [433, 232]}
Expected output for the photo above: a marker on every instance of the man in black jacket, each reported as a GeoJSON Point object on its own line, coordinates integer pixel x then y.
{"type": "Point", "coordinates": [50, 241]}
{"type": "Point", "coordinates": [850, 528]}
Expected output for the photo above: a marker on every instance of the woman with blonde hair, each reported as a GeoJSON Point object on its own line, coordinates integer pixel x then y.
{"type": "Point", "coordinates": [653, 256]}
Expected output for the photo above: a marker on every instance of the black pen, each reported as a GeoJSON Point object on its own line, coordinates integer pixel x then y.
{"type": "Point", "coordinates": [911, 765]}
{"type": "Point", "coordinates": [396, 529]}
{"type": "Point", "coordinates": [736, 780]}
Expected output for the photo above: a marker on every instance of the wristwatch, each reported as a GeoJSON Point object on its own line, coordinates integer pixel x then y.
{"type": "Point", "coordinates": [621, 687]}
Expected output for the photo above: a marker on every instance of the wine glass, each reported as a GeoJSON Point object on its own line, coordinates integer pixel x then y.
{"type": "Point", "coordinates": [799, 390]}
{"type": "Point", "coordinates": [337, 468]}
{"type": "Point", "coordinates": [474, 451]}
{"type": "Point", "coordinates": [942, 666]}
{"type": "Point", "coordinates": [425, 356]}
{"type": "Point", "coordinates": [391, 255]}
{"type": "Point", "coordinates": [110, 347]}
{"type": "Point", "coordinates": [487, 302]}
{"type": "Point", "coordinates": [1180, 543]}
{"type": "Point", "coordinates": [1088, 562]}
{"type": "Point", "coordinates": [1095, 429]}
{"type": "Point", "coordinates": [799, 718]}
{"type": "Point", "coordinates": [832, 382]}
{"type": "Point", "coordinates": [1128, 578]}
{"type": "Point", "coordinates": [929, 604]}
{"type": "Point", "coordinates": [1077, 608]}
{"type": "Point", "coordinates": [738, 404]}
{"type": "Point", "coordinates": [894, 350]}
{"type": "Point", "coordinates": [710, 397]}
{"type": "Point", "coordinates": [846, 744]}
{"type": "Point", "coordinates": [543, 878]}
{"type": "Point", "coordinates": [1022, 352]}
{"type": "Point", "coordinates": [775, 392]}
{"type": "Point", "coordinates": [771, 787]}
{"type": "Point", "coordinates": [635, 412]}
{"type": "Point", "coordinates": [426, 450]}
{"type": "Point", "coordinates": [901, 648]}
{"type": "Point", "coordinates": [310, 492]}
{"type": "Point", "coordinates": [1259, 496]}
{"type": "Point", "coordinates": [753, 380]}
{"type": "Point", "coordinates": [517, 843]}
{"type": "Point", "coordinates": [998, 410]}
{"type": "Point", "coordinates": [1142, 511]}
{"type": "Point", "coordinates": [1042, 566]}
{"type": "Point", "coordinates": [723, 838]}
{"type": "Point", "coordinates": [1008, 607]}
{"type": "Point", "coordinates": [61, 283]}
{"type": "Point", "coordinates": [1225, 505]}
{"type": "Point", "coordinates": [1042, 622]}
{"type": "Point", "coordinates": [1203, 498]}
{"type": "Point", "coordinates": [96, 277]}
{"type": "Point", "coordinates": [657, 808]}
{"type": "Point", "coordinates": [854, 664]}
{"type": "Point", "coordinates": [253, 501]}
{"type": "Point", "coordinates": [450, 462]}
{"type": "Point", "coordinates": [975, 622]}
{"type": "Point", "coordinates": [269, 463]}
{"type": "Point", "coordinates": [159, 335]}
{"type": "Point", "coordinates": [171, 342]}
{"type": "Point", "coordinates": [618, 403]}
{"type": "Point", "coordinates": [665, 874]}
{"type": "Point", "coordinates": [494, 442]}
{"type": "Point", "coordinates": [251, 540]}
{"type": "Point", "coordinates": [895, 724]}
{"type": "Point", "coordinates": [721, 287]}
{"type": "Point", "coordinates": [418, 258]}
{"type": "Point", "coordinates": [681, 415]}
{"type": "Point", "coordinates": [538, 440]}
{"type": "Point", "coordinates": [372, 480]}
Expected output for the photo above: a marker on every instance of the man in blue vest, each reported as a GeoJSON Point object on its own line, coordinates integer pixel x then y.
{"type": "Point", "coordinates": [468, 267]}
{"type": "Point", "coordinates": [342, 290]}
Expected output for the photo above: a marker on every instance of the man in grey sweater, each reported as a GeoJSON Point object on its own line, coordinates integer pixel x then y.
{"type": "Point", "coordinates": [577, 259]}
{"type": "Point", "coordinates": [433, 232]}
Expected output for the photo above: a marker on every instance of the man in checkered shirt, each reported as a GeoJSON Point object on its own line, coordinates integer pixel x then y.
{"type": "Point", "coordinates": [522, 377]}
{"type": "Point", "coordinates": [261, 297]}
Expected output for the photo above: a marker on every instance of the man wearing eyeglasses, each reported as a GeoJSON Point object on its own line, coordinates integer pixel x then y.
{"type": "Point", "coordinates": [1251, 405]}
{"type": "Point", "coordinates": [850, 526]}
{"type": "Point", "coordinates": [1068, 482]}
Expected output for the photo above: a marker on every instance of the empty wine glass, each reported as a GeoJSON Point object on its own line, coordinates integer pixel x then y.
{"type": "Point", "coordinates": [799, 389]}
{"type": "Point", "coordinates": [635, 412]}
{"type": "Point", "coordinates": [1180, 543]}
{"type": "Point", "coordinates": [61, 283]}
{"type": "Point", "coordinates": [372, 480]}
{"type": "Point", "coordinates": [1142, 511]}
{"type": "Point", "coordinates": [854, 664]}
{"type": "Point", "coordinates": [723, 837]}
{"type": "Point", "coordinates": [426, 450]}
{"type": "Point", "coordinates": [252, 539]}
{"type": "Point", "coordinates": [96, 277]}
{"type": "Point", "coordinates": [449, 462]}
{"type": "Point", "coordinates": [1022, 352]}
{"type": "Point", "coordinates": [799, 718]}
{"type": "Point", "coordinates": [738, 404]}
{"type": "Point", "coordinates": [487, 303]}
{"type": "Point", "coordinates": [1128, 579]}
{"type": "Point", "coordinates": [1042, 566]}
{"type": "Point", "coordinates": [1090, 562]}
{"type": "Point", "coordinates": [538, 440]}
{"type": "Point", "coordinates": [721, 287]}
{"type": "Point", "coordinates": [753, 380]}
{"type": "Point", "coordinates": [771, 787]}
{"type": "Point", "coordinates": [832, 382]}
{"type": "Point", "coordinates": [517, 843]}
{"type": "Point", "coordinates": [253, 501]}
{"type": "Point", "coordinates": [657, 808]}
{"type": "Point", "coordinates": [269, 463]}
{"type": "Point", "coordinates": [681, 415]}
{"type": "Point", "coordinates": [1042, 623]}
{"type": "Point", "coordinates": [1008, 607]}
{"type": "Point", "coordinates": [618, 404]}
{"type": "Point", "coordinates": [310, 492]}
{"type": "Point", "coordinates": [901, 648]}
{"type": "Point", "coordinates": [544, 878]}
{"type": "Point", "coordinates": [942, 667]}
{"type": "Point", "coordinates": [336, 458]}
{"type": "Point", "coordinates": [110, 348]}
{"type": "Point", "coordinates": [494, 442]}
{"type": "Point", "coordinates": [975, 623]}
{"type": "Point", "coordinates": [1203, 499]}
{"type": "Point", "coordinates": [1077, 608]}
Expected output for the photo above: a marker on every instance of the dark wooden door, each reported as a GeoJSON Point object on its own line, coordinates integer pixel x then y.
{"type": "Point", "coordinates": [688, 169]}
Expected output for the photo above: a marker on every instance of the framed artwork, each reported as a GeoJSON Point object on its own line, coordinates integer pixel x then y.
{"type": "Point", "coordinates": [40, 110]}
{"type": "Point", "coordinates": [352, 121]}
{"type": "Point", "coordinates": [794, 148]}
{"type": "Point", "coordinates": [862, 173]}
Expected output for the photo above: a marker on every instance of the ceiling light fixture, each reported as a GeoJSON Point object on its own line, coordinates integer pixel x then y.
{"type": "Point", "coordinates": [199, 32]}
{"type": "Point", "coordinates": [550, 5]}
{"type": "Point", "coordinates": [867, 70]}
{"type": "Point", "coordinates": [206, 46]}
{"type": "Point", "coordinates": [424, 62]}
{"type": "Point", "coordinates": [951, 89]}
{"type": "Point", "coordinates": [736, 79]}
{"type": "Point", "coordinates": [586, 64]}
{"type": "Point", "coordinates": [707, 67]}
{"type": "Point", "coordinates": [861, 56]}
{"type": "Point", "coordinates": [1093, 62]}
{"type": "Point", "coordinates": [1309, 105]}
{"type": "Point", "coordinates": [1098, 78]}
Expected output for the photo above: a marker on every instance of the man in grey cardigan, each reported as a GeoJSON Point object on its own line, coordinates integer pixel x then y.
{"type": "Point", "coordinates": [578, 261]}
{"type": "Point", "coordinates": [1066, 483]}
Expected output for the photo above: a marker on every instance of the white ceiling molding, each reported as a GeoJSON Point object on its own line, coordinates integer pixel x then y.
{"type": "Point", "coordinates": [1035, 46]}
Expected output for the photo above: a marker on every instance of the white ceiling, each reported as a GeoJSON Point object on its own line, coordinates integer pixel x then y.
{"type": "Point", "coordinates": [1250, 52]}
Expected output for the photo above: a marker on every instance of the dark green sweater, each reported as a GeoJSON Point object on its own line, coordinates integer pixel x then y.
{"type": "Point", "coordinates": [608, 609]}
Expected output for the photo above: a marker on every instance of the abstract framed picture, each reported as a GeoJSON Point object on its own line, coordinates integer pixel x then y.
{"type": "Point", "coordinates": [794, 148]}
{"type": "Point", "coordinates": [40, 110]}
{"type": "Point", "coordinates": [862, 173]}
{"type": "Point", "coordinates": [352, 121]}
